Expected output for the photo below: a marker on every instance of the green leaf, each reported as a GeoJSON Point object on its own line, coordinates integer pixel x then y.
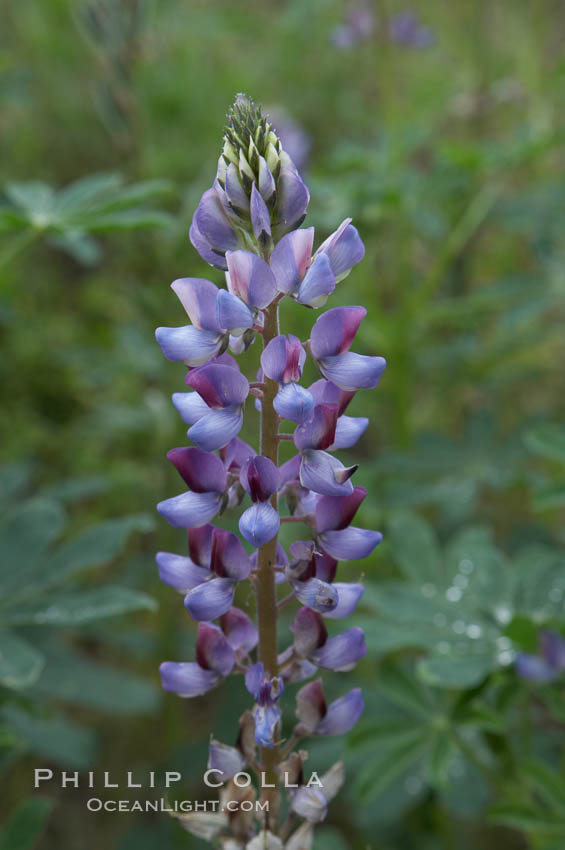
{"type": "Point", "coordinates": [24, 827]}
{"type": "Point", "coordinates": [386, 766]}
{"type": "Point", "coordinates": [442, 753]}
{"type": "Point", "coordinates": [36, 199]}
{"type": "Point", "coordinates": [404, 690]}
{"type": "Point", "coordinates": [24, 536]}
{"type": "Point", "coordinates": [54, 736]}
{"type": "Point", "coordinates": [75, 609]}
{"type": "Point", "coordinates": [415, 547]}
{"type": "Point", "coordinates": [548, 784]}
{"type": "Point", "coordinates": [547, 441]}
{"type": "Point", "coordinates": [455, 670]}
{"type": "Point", "coordinates": [527, 818]}
{"type": "Point", "coordinates": [20, 663]}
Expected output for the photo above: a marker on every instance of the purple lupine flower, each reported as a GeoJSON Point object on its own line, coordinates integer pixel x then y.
{"type": "Point", "coordinates": [248, 224]}
{"type": "Point", "coordinates": [404, 28]}
{"type": "Point", "coordinates": [548, 665]}
{"type": "Point", "coordinates": [359, 26]}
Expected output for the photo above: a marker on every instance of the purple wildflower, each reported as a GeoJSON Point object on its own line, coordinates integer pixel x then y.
{"type": "Point", "coordinates": [404, 28]}
{"type": "Point", "coordinates": [548, 665]}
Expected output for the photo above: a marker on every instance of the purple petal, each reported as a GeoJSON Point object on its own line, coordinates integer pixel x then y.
{"type": "Point", "coordinates": [200, 545]}
{"type": "Point", "coordinates": [267, 185]}
{"type": "Point", "coordinates": [260, 216]}
{"type": "Point", "coordinates": [342, 714]}
{"type": "Point", "coordinates": [213, 224]}
{"type": "Point", "coordinates": [348, 596]}
{"type": "Point", "coordinates": [350, 543]}
{"type": "Point", "coordinates": [250, 278]}
{"type": "Point", "coordinates": [336, 513]}
{"type": "Point", "coordinates": [318, 432]}
{"type": "Point", "coordinates": [190, 509]}
{"type": "Point", "coordinates": [190, 406]}
{"type": "Point", "coordinates": [205, 249]}
{"type": "Point", "coordinates": [217, 428]}
{"type": "Point", "coordinates": [254, 679]}
{"type": "Point", "coordinates": [266, 719]}
{"type": "Point", "coordinates": [290, 470]}
{"type": "Point", "coordinates": [259, 524]}
{"type": "Point", "coordinates": [325, 392]}
{"type": "Point", "coordinates": [188, 344]}
{"type": "Point", "coordinates": [335, 330]}
{"type": "Point", "coordinates": [239, 630]}
{"type": "Point", "coordinates": [294, 402]}
{"type": "Point", "coordinates": [228, 557]}
{"type": "Point", "coordinates": [344, 249]}
{"type": "Point", "coordinates": [180, 572]}
{"type": "Point", "coordinates": [534, 669]}
{"type": "Point", "coordinates": [198, 297]}
{"type": "Point", "coordinates": [311, 704]}
{"type": "Point", "coordinates": [347, 431]}
{"type": "Point", "coordinates": [353, 371]}
{"type": "Point", "coordinates": [318, 284]}
{"type": "Point", "coordinates": [283, 359]}
{"type": "Point", "coordinates": [290, 259]}
{"type": "Point", "coordinates": [316, 594]}
{"type": "Point", "coordinates": [227, 761]}
{"type": "Point", "coordinates": [552, 648]}
{"type": "Point", "coordinates": [310, 804]}
{"type": "Point", "coordinates": [235, 193]}
{"type": "Point", "coordinates": [232, 313]}
{"type": "Point", "coordinates": [213, 651]}
{"type": "Point", "coordinates": [292, 201]}
{"type": "Point", "coordinates": [211, 599]}
{"type": "Point", "coordinates": [202, 471]}
{"type": "Point", "coordinates": [320, 471]}
{"type": "Point", "coordinates": [342, 652]}
{"type": "Point", "coordinates": [309, 630]}
{"type": "Point", "coordinates": [235, 454]}
{"type": "Point", "coordinates": [260, 478]}
{"type": "Point", "coordinates": [219, 385]}
{"type": "Point", "coordinates": [187, 679]}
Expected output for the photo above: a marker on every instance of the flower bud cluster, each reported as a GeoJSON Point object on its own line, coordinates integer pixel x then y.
{"type": "Point", "coordinates": [248, 225]}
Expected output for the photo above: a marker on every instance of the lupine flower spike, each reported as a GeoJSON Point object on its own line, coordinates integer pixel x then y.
{"type": "Point", "coordinates": [247, 225]}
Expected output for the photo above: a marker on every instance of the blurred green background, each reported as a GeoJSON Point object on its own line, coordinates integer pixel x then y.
{"type": "Point", "coordinates": [439, 128]}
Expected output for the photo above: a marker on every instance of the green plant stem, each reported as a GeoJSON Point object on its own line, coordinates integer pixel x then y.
{"type": "Point", "coordinates": [266, 590]}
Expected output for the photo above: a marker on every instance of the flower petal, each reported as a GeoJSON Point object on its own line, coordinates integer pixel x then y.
{"type": "Point", "coordinates": [316, 594]}
{"type": "Point", "coordinates": [318, 284]}
{"type": "Point", "coordinates": [348, 596]}
{"type": "Point", "coordinates": [217, 428]}
{"type": "Point", "coordinates": [292, 202]}
{"type": "Point", "coordinates": [219, 385]}
{"type": "Point", "coordinates": [534, 669]}
{"type": "Point", "coordinates": [213, 651]}
{"type": "Point", "coordinates": [188, 344]}
{"type": "Point", "coordinates": [347, 432]}
{"type": "Point", "coordinates": [283, 359]}
{"type": "Point", "coordinates": [267, 185]}
{"type": "Point", "coordinates": [260, 216]}
{"type": "Point", "coordinates": [325, 392]}
{"type": "Point", "coordinates": [213, 224]}
{"type": "Point", "coordinates": [260, 478]}
{"type": "Point", "coordinates": [180, 572]}
{"type": "Point", "coordinates": [310, 804]}
{"type": "Point", "coordinates": [254, 678]}
{"type": "Point", "coordinates": [342, 714]}
{"type": "Point", "coordinates": [552, 648]}
{"type": "Point", "coordinates": [187, 679]}
{"type": "Point", "coordinates": [290, 259]}
{"type": "Point", "coordinates": [200, 545]}
{"type": "Point", "coordinates": [190, 406]}
{"type": "Point", "coordinates": [318, 432]}
{"type": "Point", "coordinates": [232, 313]}
{"type": "Point", "coordinates": [344, 249]}
{"type": "Point", "coordinates": [259, 523]}
{"type": "Point", "coordinates": [198, 297]}
{"type": "Point", "coordinates": [226, 761]}
{"type": "Point", "coordinates": [294, 402]}
{"type": "Point", "coordinates": [334, 331]}
{"type": "Point", "coordinates": [353, 371]}
{"type": "Point", "coordinates": [350, 543]}
{"type": "Point", "coordinates": [309, 630]}
{"type": "Point", "coordinates": [311, 704]}
{"type": "Point", "coordinates": [337, 513]}
{"type": "Point", "coordinates": [211, 599]}
{"type": "Point", "coordinates": [319, 471]}
{"type": "Point", "coordinates": [266, 719]}
{"type": "Point", "coordinates": [239, 630]}
{"type": "Point", "coordinates": [289, 470]}
{"type": "Point", "coordinates": [342, 652]}
{"type": "Point", "coordinates": [190, 509]}
{"type": "Point", "coordinates": [236, 195]}
{"type": "Point", "coordinates": [203, 471]}
{"type": "Point", "coordinates": [228, 557]}
{"type": "Point", "coordinates": [250, 278]}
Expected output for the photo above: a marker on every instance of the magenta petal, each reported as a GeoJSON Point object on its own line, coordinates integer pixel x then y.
{"type": "Point", "coordinates": [342, 652]}
{"type": "Point", "coordinates": [200, 544]}
{"type": "Point", "coordinates": [290, 259]}
{"type": "Point", "coordinates": [250, 278]}
{"type": "Point", "coordinates": [260, 478]}
{"type": "Point", "coordinates": [219, 385]}
{"type": "Point", "coordinates": [311, 704]}
{"type": "Point", "coordinates": [213, 223]}
{"type": "Point", "coordinates": [351, 543]}
{"type": "Point", "coordinates": [213, 651]}
{"type": "Point", "coordinates": [190, 509]}
{"type": "Point", "coordinates": [239, 630]}
{"type": "Point", "coordinates": [198, 297]}
{"type": "Point", "coordinates": [259, 523]}
{"type": "Point", "coordinates": [227, 556]}
{"type": "Point", "coordinates": [211, 599]}
{"type": "Point", "coordinates": [348, 596]}
{"type": "Point", "coordinates": [322, 473]}
{"type": "Point", "coordinates": [337, 513]}
{"type": "Point", "coordinates": [235, 454]}
{"type": "Point", "coordinates": [309, 630]}
{"type": "Point", "coordinates": [283, 359]}
{"type": "Point", "coordinates": [202, 471]}
{"type": "Point", "coordinates": [318, 432]}
{"type": "Point", "coordinates": [324, 392]}
{"type": "Point", "coordinates": [187, 679]}
{"type": "Point", "coordinates": [335, 330]}
{"type": "Point", "coordinates": [353, 371]}
{"type": "Point", "coordinates": [342, 714]}
{"type": "Point", "coordinates": [260, 216]}
{"type": "Point", "coordinates": [180, 572]}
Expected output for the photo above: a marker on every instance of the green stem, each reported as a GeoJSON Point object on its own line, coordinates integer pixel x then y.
{"type": "Point", "coordinates": [266, 590]}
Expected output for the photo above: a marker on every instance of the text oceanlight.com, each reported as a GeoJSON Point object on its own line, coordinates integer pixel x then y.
{"type": "Point", "coordinates": [95, 804]}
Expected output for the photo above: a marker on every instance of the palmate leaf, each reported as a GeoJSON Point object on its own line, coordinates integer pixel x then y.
{"type": "Point", "coordinates": [24, 826]}
{"type": "Point", "coordinates": [76, 609]}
